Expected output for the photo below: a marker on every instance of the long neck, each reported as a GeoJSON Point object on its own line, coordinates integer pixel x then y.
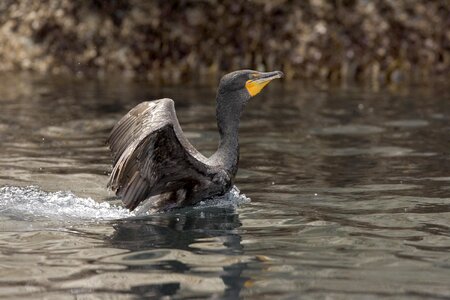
{"type": "Point", "coordinates": [228, 114]}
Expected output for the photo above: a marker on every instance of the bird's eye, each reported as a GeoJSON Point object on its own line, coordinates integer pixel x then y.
{"type": "Point", "coordinates": [254, 75]}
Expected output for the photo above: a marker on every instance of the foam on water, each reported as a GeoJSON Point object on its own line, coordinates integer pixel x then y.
{"type": "Point", "coordinates": [233, 198]}
{"type": "Point", "coordinates": [31, 202]}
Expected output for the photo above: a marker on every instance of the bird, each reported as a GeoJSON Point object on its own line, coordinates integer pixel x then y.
{"type": "Point", "coordinates": [154, 163]}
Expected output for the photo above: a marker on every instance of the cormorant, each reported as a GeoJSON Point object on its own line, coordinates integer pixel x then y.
{"type": "Point", "coordinates": [154, 161]}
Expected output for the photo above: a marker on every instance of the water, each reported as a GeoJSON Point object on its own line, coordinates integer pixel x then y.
{"type": "Point", "coordinates": [349, 188]}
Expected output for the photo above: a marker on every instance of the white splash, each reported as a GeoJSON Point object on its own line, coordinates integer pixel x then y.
{"type": "Point", "coordinates": [30, 201]}
{"type": "Point", "coordinates": [233, 198]}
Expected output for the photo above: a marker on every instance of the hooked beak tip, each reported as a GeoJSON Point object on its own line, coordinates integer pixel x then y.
{"type": "Point", "coordinates": [271, 75]}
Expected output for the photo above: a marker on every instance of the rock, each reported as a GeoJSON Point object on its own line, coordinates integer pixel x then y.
{"type": "Point", "coordinates": [180, 40]}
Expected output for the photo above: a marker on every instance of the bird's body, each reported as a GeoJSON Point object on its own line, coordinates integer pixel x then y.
{"type": "Point", "coordinates": [153, 160]}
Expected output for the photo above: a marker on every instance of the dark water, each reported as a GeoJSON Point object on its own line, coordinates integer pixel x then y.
{"type": "Point", "coordinates": [349, 188]}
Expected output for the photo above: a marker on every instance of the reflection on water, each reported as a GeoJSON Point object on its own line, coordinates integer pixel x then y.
{"type": "Point", "coordinates": [349, 188]}
{"type": "Point", "coordinates": [189, 244]}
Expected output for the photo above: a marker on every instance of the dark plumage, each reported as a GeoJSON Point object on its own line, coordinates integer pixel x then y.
{"type": "Point", "coordinates": [153, 160]}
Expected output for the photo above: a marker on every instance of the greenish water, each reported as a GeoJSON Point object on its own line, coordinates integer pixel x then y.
{"type": "Point", "coordinates": [349, 188]}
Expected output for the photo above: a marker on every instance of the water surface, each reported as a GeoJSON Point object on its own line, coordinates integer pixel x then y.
{"type": "Point", "coordinates": [349, 188]}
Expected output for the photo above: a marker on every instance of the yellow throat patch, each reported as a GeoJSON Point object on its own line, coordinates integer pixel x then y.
{"type": "Point", "coordinates": [254, 86]}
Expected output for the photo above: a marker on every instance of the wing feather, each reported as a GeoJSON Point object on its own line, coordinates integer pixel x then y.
{"type": "Point", "coordinates": [151, 154]}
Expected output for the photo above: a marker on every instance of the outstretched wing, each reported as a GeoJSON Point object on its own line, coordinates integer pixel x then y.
{"type": "Point", "coordinates": [151, 155]}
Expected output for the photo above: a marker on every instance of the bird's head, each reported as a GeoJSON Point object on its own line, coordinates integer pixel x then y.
{"type": "Point", "coordinates": [245, 84]}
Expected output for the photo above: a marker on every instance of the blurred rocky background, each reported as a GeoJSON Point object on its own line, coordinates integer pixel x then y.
{"type": "Point", "coordinates": [382, 40]}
